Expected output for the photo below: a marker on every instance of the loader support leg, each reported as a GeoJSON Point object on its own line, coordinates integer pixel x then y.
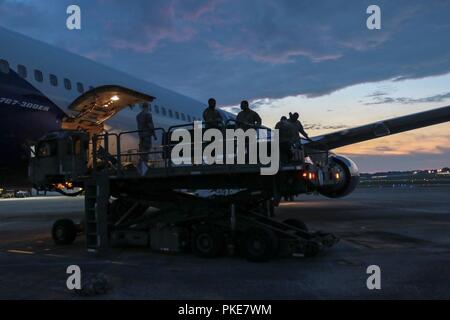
{"type": "Point", "coordinates": [96, 211]}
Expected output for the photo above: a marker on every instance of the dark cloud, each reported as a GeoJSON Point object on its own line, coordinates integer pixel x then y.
{"type": "Point", "coordinates": [250, 49]}
{"type": "Point", "coordinates": [384, 99]}
{"type": "Point", "coordinates": [156, 23]}
{"type": "Point", "coordinates": [318, 126]}
{"type": "Point", "coordinates": [377, 94]}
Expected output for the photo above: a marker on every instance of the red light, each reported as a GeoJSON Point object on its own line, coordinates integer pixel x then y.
{"type": "Point", "coordinates": [307, 175]}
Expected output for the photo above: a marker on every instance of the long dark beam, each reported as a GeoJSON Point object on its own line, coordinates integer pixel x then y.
{"type": "Point", "coordinates": [379, 129]}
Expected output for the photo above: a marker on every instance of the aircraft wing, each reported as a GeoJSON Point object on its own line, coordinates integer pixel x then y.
{"type": "Point", "coordinates": [93, 108]}
{"type": "Point", "coordinates": [379, 129]}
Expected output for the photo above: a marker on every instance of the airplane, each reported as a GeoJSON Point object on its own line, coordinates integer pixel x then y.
{"type": "Point", "coordinates": [38, 83]}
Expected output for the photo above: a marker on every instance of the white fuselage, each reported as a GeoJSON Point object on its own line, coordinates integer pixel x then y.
{"type": "Point", "coordinates": [39, 81]}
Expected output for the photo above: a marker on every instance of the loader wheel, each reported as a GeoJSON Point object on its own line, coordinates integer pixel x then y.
{"type": "Point", "coordinates": [64, 232]}
{"type": "Point", "coordinates": [297, 224]}
{"type": "Point", "coordinates": [258, 244]}
{"type": "Point", "coordinates": [207, 242]}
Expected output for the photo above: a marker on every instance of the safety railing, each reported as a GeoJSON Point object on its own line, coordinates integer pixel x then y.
{"type": "Point", "coordinates": [222, 126]}
{"type": "Point", "coordinates": [112, 157]}
{"type": "Point", "coordinates": [156, 154]}
{"type": "Point", "coordinates": [109, 149]}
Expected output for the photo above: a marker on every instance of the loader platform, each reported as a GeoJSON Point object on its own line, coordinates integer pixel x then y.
{"type": "Point", "coordinates": [209, 209]}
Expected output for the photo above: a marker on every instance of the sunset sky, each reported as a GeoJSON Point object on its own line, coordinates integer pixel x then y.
{"type": "Point", "coordinates": [314, 57]}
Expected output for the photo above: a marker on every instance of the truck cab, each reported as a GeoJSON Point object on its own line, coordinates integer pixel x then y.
{"type": "Point", "coordinates": [58, 158]}
{"type": "Point", "coordinates": [61, 157]}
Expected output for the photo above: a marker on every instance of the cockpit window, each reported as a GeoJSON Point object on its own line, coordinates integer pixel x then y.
{"type": "Point", "coordinates": [4, 66]}
{"type": "Point", "coordinates": [46, 149]}
{"type": "Point", "coordinates": [74, 146]}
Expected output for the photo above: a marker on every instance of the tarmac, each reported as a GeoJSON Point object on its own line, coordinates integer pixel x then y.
{"type": "Point", "coordinates": [404, 231]}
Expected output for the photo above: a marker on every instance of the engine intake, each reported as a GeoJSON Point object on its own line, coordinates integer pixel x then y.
{"type": "Point", "coordinates": [348, 177]}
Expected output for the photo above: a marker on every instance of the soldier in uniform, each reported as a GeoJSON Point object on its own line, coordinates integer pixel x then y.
{"type": "Point", "coordinates": [146, 130]}
{"type": "Point", "coordinates": [293, 118]}
{"type": "Point", "coordinates": [287, 136]}
{"type": "Point", "coordinates": [247, 118]}
{"type": "Point", "coordinates": [211, 116]}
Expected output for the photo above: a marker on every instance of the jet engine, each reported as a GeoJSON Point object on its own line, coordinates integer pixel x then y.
{"type": "Point", "coordinates": [345, 175]}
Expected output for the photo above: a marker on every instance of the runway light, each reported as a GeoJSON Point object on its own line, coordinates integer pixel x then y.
{"type": "Point", "coordinates": [338, 176]}
{"type": "Point", "coordinates": [115, 98]}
